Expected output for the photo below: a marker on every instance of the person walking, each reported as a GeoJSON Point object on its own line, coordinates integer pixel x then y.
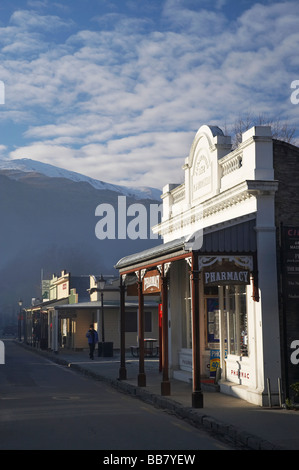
{"type": "Point", "coordinates": [92, 337]}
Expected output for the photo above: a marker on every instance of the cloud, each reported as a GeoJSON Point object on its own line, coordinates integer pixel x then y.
{"type": "Point", "coordinates": [123, 102]}
{"type": "Point", "coordinates": [3, 150]}
{"type": "Point", "coordinates": [137, 159]}
{"type": "Point", "coordinates": [28, 20]}
{"type": "Point", "coordinates": [188, 16]}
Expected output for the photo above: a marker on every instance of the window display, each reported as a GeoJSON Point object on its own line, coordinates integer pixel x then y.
{"type": "Point", "coordinates": [236, 320]}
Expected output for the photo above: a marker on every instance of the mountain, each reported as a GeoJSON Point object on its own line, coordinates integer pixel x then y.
{"type": "Point", "coordinates": [48, 224]}
{"type": "Point", "coordinates": [32, 166]}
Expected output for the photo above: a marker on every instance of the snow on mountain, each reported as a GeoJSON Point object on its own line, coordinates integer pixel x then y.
{"type": "Point", "coordinates": [27, 165]}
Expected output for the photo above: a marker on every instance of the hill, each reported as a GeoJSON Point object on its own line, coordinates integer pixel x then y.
{"type": "Point", "coordinates": [48, 224]}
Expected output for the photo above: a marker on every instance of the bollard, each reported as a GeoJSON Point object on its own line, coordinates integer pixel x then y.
{"type": "Point", "coordinates": [279, 392]}
{"type": "Point", "coordinates": [269, 393]}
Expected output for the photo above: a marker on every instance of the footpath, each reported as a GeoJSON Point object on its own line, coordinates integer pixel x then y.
{"type": "Point", "coordinates": [243, 424]}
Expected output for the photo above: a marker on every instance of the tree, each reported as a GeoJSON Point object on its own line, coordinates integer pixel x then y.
{"type": "Point", "coordinates": [281, 130]}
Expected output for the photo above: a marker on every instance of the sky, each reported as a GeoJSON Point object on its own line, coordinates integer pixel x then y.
{"type": "Point", "coordinates": [117, 89]}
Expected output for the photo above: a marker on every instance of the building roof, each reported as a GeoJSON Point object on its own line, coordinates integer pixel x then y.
{"type": "Point", "coordinates": [159, 251]}
{"type": "Point", "coordinates": [107, 304]}
{"type": "Point", "coordinates": [238, 237]}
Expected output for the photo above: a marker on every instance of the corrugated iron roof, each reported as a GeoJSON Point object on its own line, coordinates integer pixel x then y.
{"type": "Point", "coordinates": [236, 238]}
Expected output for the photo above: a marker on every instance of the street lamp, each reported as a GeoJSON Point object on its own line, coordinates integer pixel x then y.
{"type": "Point", "coordinates": [20, 318]}
{"type": "Point", "coordinates": [102, 284]}
{"type": "Point", "coordinates": [106, 349]}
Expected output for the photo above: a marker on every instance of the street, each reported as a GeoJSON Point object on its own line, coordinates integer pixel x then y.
{"type": "Point", "coordinates": [45, 406]}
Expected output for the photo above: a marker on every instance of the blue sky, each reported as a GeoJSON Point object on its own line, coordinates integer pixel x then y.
{"type": "Point", "coordinates": [117, 89]}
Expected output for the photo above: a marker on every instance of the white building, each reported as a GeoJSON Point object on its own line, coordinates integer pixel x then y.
{"type": "Point", "coordinates": [218, 266]}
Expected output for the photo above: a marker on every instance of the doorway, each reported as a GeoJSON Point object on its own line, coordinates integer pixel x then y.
{"type": "Point", "coordinates": [226, 325]}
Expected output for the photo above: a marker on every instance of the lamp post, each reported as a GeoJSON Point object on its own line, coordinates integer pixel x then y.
{"type": "Point", "coordinates": [20, 319]}
{"type": "Point", "coordinates": [102, 284]}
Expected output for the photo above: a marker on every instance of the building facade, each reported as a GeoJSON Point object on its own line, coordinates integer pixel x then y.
{"type": "Point", "coordinates": [72, 303]}
{"type": "Point", "coordinates": [224, 302]}
{"type": "Point", "coordinates": [102, 310]}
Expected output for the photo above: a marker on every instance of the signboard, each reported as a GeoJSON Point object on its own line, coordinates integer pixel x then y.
{"type": "Point", "coordinates": [213, 319]}
{"type": "Point", "coordinates": [214, 361]}
{"type": "Point", "coordinates": [160, 315]}
{"type": "Point", "coordinates": [225, 273]}
{"type": "Point", "coordinates": [151, 283]}
{"type": "Point", "coordinates": [202, 175]}
{"type": "Point", "coordinates": [45, 289]}
{"type": "Point", "coordinates": [290, 291]}
{"type": "Point", "coordinates": [63, 290]}
{"type": "Point", "coordinates": [291, 262]}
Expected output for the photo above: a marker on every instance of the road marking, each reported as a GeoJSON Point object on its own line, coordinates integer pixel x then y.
{"type": "Point", "coordinates": [182, 426]}
{"type": "Point", "coordinates": [149, 410]}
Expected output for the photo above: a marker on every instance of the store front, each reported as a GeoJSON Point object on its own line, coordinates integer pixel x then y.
{"type": "Point", "coordinates": [218, 268]}
{"type": "Point", "coordinates": [226, 310]}
{"type": "Point", "coordinates": [224, 287]}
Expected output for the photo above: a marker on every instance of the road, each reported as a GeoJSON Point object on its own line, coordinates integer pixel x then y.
{"type": "Point", "coordinates": [46, 406]}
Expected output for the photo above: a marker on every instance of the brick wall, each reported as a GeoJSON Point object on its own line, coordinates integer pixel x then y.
{"type": "Point", "coordinates": [286, 172]}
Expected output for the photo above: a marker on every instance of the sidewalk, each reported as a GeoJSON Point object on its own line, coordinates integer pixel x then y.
{"type": "Point", "coordinates": [245, 424]}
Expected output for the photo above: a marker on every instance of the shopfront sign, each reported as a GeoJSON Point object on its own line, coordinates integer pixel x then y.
{"type": "Point", "coordinates": [239, 374]}
{"type": "Point", "coordinates": [225, 274]}
{"type": "Point", "coordinates": [202, 175]}
{"type": "Point", "coordinates": [214, 361]}
{"type": "Point", "coordinates": [290, 272]}
{"type": "Point", "coordinates": [152, 282]}
{"type": "Point", "coordinates": [45, 290]}
{"type": "Point", "coordinates": [291, 262]}
{"type": "Point", "coordinates": [63, 290]}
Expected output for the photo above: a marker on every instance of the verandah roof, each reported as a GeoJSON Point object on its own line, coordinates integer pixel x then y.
{"type": "Point", "coordinates": [237, 238]}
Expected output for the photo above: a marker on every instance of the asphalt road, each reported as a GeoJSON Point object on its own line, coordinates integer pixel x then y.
{"type": "Point", "coordinates": [45, 406]}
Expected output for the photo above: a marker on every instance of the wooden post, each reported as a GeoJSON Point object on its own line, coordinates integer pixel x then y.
{"type": "Point", "coordinates": [141, 375]}
{"type": "Point", "coordinates": [122, 369]}
{"type": "Point", "coordinates": [165, 384]}
{"type": "Point", "coordinates": [197, 396]}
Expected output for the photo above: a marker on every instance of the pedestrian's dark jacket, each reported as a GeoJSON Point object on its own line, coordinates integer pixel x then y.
{"type": "Point", "coordinates": [92, 336]}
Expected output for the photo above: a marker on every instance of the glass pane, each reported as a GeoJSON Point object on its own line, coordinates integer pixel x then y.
{"type": "Point", "coordinates": [237, 320]}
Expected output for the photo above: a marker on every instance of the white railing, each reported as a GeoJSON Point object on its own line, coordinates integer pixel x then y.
{"type": "Point", "coordinates": [231, 162]}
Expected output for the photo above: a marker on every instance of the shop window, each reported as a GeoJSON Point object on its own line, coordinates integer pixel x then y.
{"type": "Point", "coordinates": [212, 309]}
{"type": "Point", "coordinates": [236, 320]}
